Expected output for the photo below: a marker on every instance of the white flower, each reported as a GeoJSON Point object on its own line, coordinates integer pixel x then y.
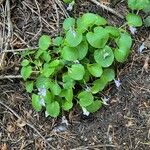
{"type": "Point", "coordinates": [46, 114]}
{"type": "Point", "coordinates": [141, 48]}
{"type": "Point", "coordinates": [85, 112]}
{"type": "Point", "coordinates": [64, 121]}
{"type": "Point", "coordinates": [105, 100]}
{"type": "Point", "coordinates": [70, 7]}
{"type": "Point", "coordinates": [133, 30]}
{"type": "Point", "coordinates": [42, 91]}
{"type": "Point", "coordinates": [42, 102]}
{"type": "Point", "coordinates": [117, 83]}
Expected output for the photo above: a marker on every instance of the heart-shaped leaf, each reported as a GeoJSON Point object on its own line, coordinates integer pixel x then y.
{"type": "Point", "coordinates": [29, 86]}
{"type": "Point", "coordinates": [121, 54]}
{"type": "Point", "coordinates": [26, 71]}
{"type": "Point", "coordinates": [55, 88]}
{"type": "Point", "coordinates": [98, 85]}
{"type": "Point", "coordinates": [108, 75]}
{"type": "Point", "coordinates": [85, 98]}
{"type": "Point", "coordinates": [68, 23]}
{"type": "Point", "coordinates": [76, 72]}
{"type": "Point", "coordinates": [46, 56]}
{"type": "Point", "coordinates": [98, 38]}
{"type": "Point", "coordinates": [44, 42]}
{"type": "Point", "coordinates": [95, 106]}
{"type": "Point", "coordinates": [113, 31]}
{"type": "Point", "coordinates": [137, 4]}
{"type": "Point", "coordinates": [147, 21]}
{"type": "Point", "coordinates": [25, 62]}
{"type": "Point", "coordinates": [67, 105]}
{"type": "Point", "coordinates": [73, 38]}
{"type": "Point", "coordinates": [95, 69]}
{"type": "Point", "coordinates": [88, 20]}
{"type": "Point", "coordinates": [36, 102]}
{"type": "Point", "coordinates": [67, 81]}
{"type": "Point", "coordinates": [58, 41]}
{"type": "Point", "coordinates": [134, 20]}
{"type": "Point", "coordinates": [124, 41]}
{"type": "Point", "coordinates": [49, 97]}
{"type": "Point", "coordinates": [43, 82]}
{"type": "Point", "coordinates": [69, 53]}
{"type": "Point", "coordinates": [53, 109]}
{"type": "Point", "coordinates": [82, 49]}
{"type": "Point", "coordinates": [104, 57]}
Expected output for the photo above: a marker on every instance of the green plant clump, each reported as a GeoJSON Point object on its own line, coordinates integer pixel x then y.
{"type": "Point", "coordinates": [74, 68]}
{"type": "Point", "coordinates": [135, 20]}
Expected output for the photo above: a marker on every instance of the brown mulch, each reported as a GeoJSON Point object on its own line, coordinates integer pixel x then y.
{"type": "Point", "coordinates": [123, 124]}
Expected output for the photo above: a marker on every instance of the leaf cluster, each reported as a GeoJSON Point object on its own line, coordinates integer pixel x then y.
{"type": "Point", "coordinates": [74, 68]}
{"type": "Point", "coordinates": [135, 20]}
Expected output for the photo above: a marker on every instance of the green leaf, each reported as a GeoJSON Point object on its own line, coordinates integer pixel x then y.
{"type": "Point", "coordinates": [67, 81]}
{"type": "Point", "coordinates": [68, 1]}
{"type": "Point", "coordinates": [55, 88]}
{"type": "Point", "coordinates": [147, 21]}
{"type": "Point", "coordinates": [67, 105]}
{"type": "Point", "coordinates": [147, 8]}
{"type": "Point", "coordinates": [47, 70]}
{"type": "Point", "coordinates": [76, 72]}
{"type": "Point", "coordinates": [95, 69]}
{"type": "Point", "coordinates": [68, 23]}
{"type": "Point", "coordinates": [85, 98]}
{"type": "Point", "coordinates": [104, 57]}
{"type": "Point", "coordinates": [95, 106]}
{"type": "Point", "coordinates": [29, 86]}
{"type": "Point", "coordinates": [46, 56]}
{"type": "Point", "coordinates": [36, 102]}
{"type": "Point", "coordinates": [44, 42]}
{"type": "Point", "coordinates": [137, 4]}
{"type": "Point", "coordinates": [26, 71]}
{"type": "Point", "coordinates": [43, 82]}
{"type": "Point", "coordinates": [54, 63]}
{"type": "Point", "coordinates": [113, 31]}
{"type": "Point", "coordinates": [121, 54]}
{"type": "Point", "coordinates": [82, 49]}
{"type": "Point", "coordinates": [134, 20]}
{"type": "Point", "coordinates": [53, 109]}
{"type": "Point", "coordinates": [98, 38]}
{"type": "Point", "coordinates": [37, 62]}
{"type": "Point", "coordinates": [67, 93]}
{"type": "Point", "coordinates": [69, 53]}
{"type": "Point", "coordinates": [38, 53]}
{"type": "Point", "coordinates": [89, 20]}
{"type": "Point", "coordinates": [108, 75]}
{"type": "Point", "coordinates": [98, 85]}
{"type": "Point", "coordinates": [124, 41]}
{"type": "Point", "coordinates": [73, 38]}
{"type": "Point", "coordinates": [58, 41]}
{"type": "Point", "coordinates": [48, 98]}
{"type": "Point", "coordinates": [25, 62]}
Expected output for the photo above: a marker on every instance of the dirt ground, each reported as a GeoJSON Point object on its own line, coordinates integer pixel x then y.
{"type": "Point", "coordinates": [122, 125]}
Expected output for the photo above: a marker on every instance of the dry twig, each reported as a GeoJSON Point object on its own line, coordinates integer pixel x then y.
{"type": "Point", "coordinates": [107, 8]}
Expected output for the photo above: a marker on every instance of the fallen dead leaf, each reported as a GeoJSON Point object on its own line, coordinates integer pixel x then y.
{"type": "Point", "coordinates": [21, 123]}
{"type": "Point", "coordinates": [146, 64]}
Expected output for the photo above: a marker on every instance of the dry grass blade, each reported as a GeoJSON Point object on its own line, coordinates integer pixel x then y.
{"type": "Point", "coordinates": [107, 8]}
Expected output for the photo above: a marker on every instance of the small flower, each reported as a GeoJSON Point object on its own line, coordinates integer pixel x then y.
{"type": "Point", "coordinates": [42, 102]}
{"type": "Point", "coordinates": [64, 121]}
{"type": "Point", "coordinates": [133, 30]}
{"type": "Point", "coordinates": [70, 7]}
{"type": "Point", "coordinates": [141, 48]}
{"type": "Point", "coordinates": [117, 83]}
{"type": "Point", "coordinates": [42, 92]}
{"type": "Point", "coordinates": [85, 112]}
{"type": "Point", "coordinates": [73, 32]}
{"type": "Point", "coordinates": [46, 114]}
{"type": "Point", "coordinates": [105, 100]}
